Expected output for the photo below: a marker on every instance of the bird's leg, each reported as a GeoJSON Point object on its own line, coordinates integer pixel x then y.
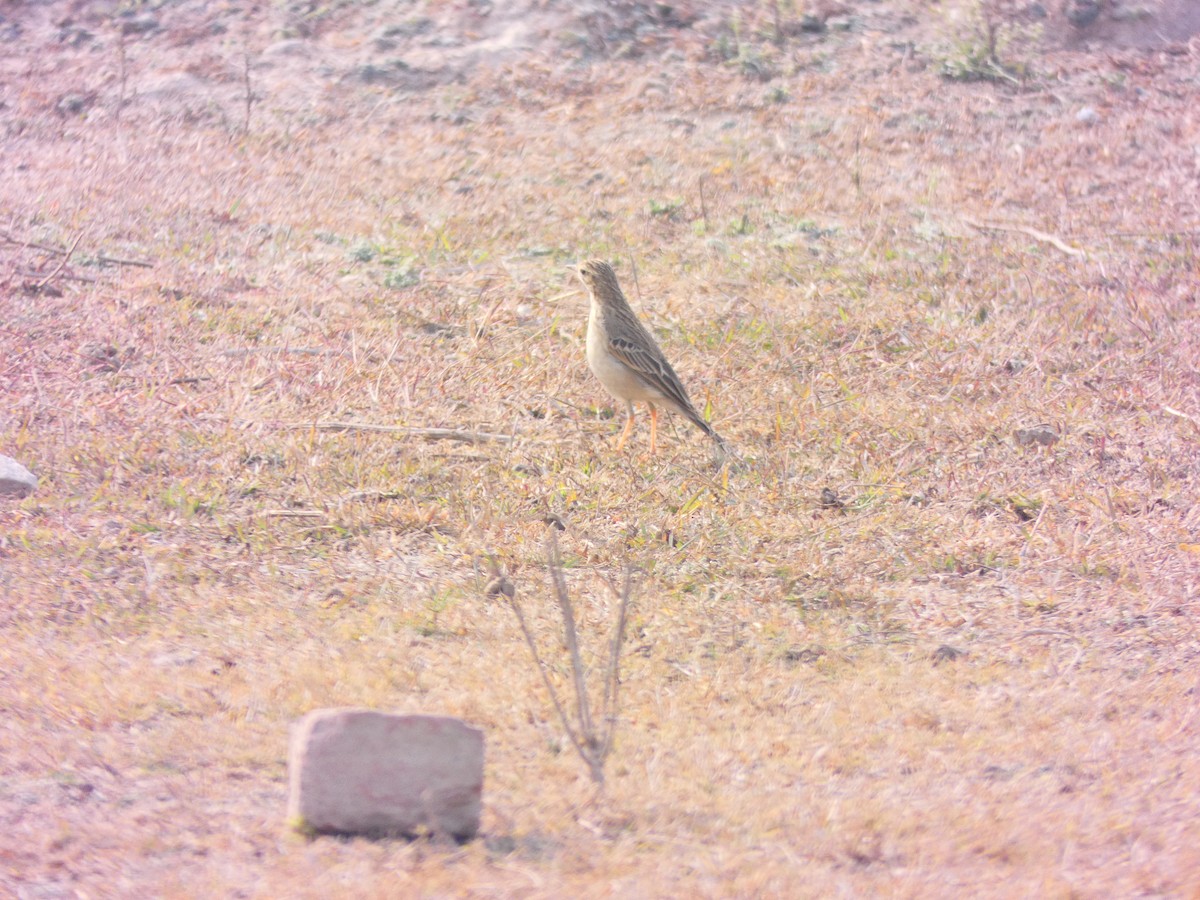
{"type": "Point", "coordinates": [653, 427]}
{"type": "Point", "coordinates": [628, 427]}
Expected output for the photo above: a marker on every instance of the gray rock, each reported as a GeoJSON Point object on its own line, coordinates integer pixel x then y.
{"type": "Point", "coordinates": [74, 36]}
{"type": "Point", "coordinates": [139, 24]}
{"type": "Point", "coordinates": [15, 478]}
{"type": "Point", "coordinates": [1039, 434]}
{"type": "Point", "coordinates": [1087, 116]}
{"type": "Point", "coordinates": [812, 24]}
{"type": "Point", "coordinates": [357, 771]}
{"type": "Point", "coordinates": [74, 104]}
{"type": "Point", "coordinates": [1082, 13]}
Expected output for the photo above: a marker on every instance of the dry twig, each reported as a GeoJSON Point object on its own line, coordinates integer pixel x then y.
{"type": "Point", "coordinates": [592, 743]}
{"type": "Point", "coordinates": [66, 258]}
{"type": "Point", "coordinates": [45, 248]}
{"type": "Point", "coordinates": [429, 434]}
{"type": "Point", "coordinates": [1179, 414]}
{"type": "Point", "coordinates": [1050, 239]}
{"type": "Point", "coordinates": [236, 352]}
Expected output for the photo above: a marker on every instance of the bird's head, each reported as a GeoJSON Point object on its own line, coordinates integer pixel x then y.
{"type": "Point", "coordinates": [598, 276]}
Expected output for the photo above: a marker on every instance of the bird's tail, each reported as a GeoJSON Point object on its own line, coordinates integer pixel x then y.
{"type": "Point", "coordinates": [724, 448]}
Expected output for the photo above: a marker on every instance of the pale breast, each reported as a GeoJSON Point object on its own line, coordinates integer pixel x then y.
{"type": "Point", "coordinates": [618, 379]}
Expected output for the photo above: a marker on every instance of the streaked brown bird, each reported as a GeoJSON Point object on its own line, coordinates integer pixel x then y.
{"type": "Point", "coordinates": [627, 360]}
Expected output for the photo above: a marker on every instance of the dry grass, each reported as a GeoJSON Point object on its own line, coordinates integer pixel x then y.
{"type": "Point", "coordinates": [200, 565]}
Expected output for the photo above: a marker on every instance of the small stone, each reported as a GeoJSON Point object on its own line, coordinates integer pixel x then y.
{"type": "Point", "coordinates": [139, 25]}
{"type": "Point", "coordinates": [291, 47]}
{"type": "Point", "coordinates": [1087, 116]}
{"type": "Point", "coordinates": [1082, 13]}
{"type": "Point", "coordinates": [999, 773]}
{"type": "Point", "coordinates": [808, 655]}
{"type": "Point", "coordinates": [357, 771]}
{"type": "Point", "coordinates": [172, 87]}
{"type": "Point", "coordinates": [500, 586]}
{"type": "Point", "coordinates": [812, 24]}
{"type": "Point", "coordinates": [370, 73]}
{"type": "Point", "coordinates": [830, 499]}
{"type": "Point", "coordinates": [946, 653]}
{"type": "Point", "coordinates": [15, 478]}
{"type": "Point", "coordinates": [74, 37]}
{"type": "Point", "coordinates": [74, 104]}
{"type": "Point", "coordinates": [1039, 434]}
{"type": "Point", "coordinates": [411, 28]}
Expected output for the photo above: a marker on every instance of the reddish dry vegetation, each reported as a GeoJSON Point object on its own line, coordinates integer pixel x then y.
{"type": "Point", "coordinates": [934, 634]}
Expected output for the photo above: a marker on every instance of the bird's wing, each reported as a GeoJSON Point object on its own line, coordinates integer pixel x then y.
{"type": "Point", "coordinates": [648, 362]}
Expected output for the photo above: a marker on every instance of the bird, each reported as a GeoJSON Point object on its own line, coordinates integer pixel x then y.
{"type": "Point", "coordinates": [627, 361]}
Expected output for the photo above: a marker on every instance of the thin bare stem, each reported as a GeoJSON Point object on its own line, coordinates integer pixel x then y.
{"type": "Point", "coordinates": [107, 260]}
{"type": "Point", "coordinates": [66, 258]}
{"type": "Point", "coordinates": [429, 434]}
{"type": "Point", "coordinates": [592, 746]}
{"type": "Point", "coordinates": [122, 72]}
{"type": "Point", "coordinates": [570, 635]}
{"type": "Point", "coordinates": [249, 92]}
{"type": "Point", "coordinates": [637, 287]}
{"type": "Point", "coordinates": [612, 674]}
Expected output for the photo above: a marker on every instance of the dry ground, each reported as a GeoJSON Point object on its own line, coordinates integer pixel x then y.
{"type": "Point", "coordinates": [971, 670]}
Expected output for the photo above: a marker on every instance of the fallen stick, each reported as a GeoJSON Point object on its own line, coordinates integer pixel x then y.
{"type": "Point", "coordinates": [64, 276]}
{"type": "Point", "coordinates": [66, 258]}
{"type": "Point", "coordinates": [59, 251]}
{"type": "Point", "coordinates": [1182, 415]}
{"type": "Point", "coordinates": [300, 351]}
{"type": "Point", "coordinates": [429, 434]}
{"type": "Point", "coordinates": [1032, 232]}
{"type": "Point", "coordinates": [117, 261]}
